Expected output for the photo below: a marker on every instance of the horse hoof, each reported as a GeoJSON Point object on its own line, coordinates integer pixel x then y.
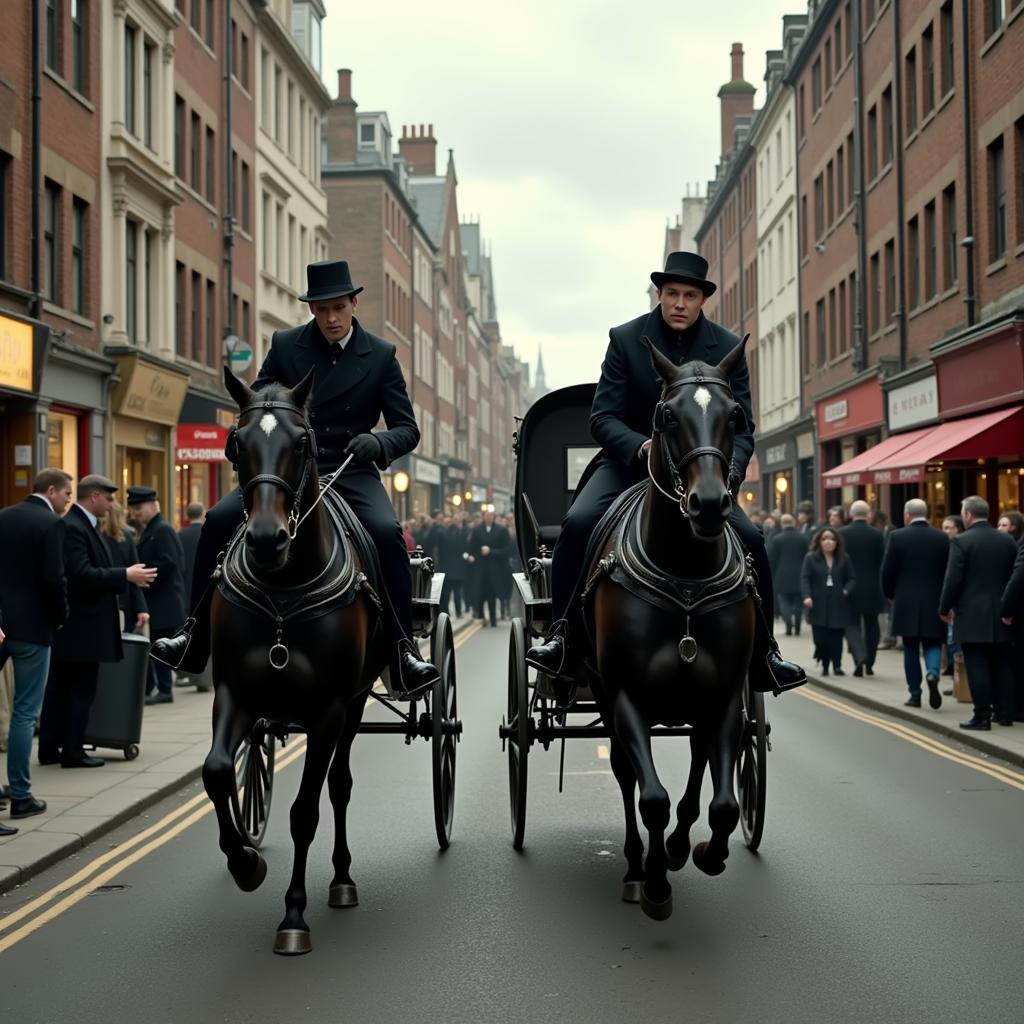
{"type": "Point", "coordinates": [292, 942]}
{"type": "Point", "coordinates": [704, 863]}
{"type": "Point", "coordinates": [343, 896]}
{"type": "Point", "coordinates": [632, 892]}
{"type": "Point", "coordinates": [654, 910]}
{"type": "Point", "coordinates": [253, 880]}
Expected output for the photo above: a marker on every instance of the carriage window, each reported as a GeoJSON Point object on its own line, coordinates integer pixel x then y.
{"type": "Point", "coordinates": [576, 461]}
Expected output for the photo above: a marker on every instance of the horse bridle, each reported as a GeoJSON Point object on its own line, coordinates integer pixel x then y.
{"type": "Point", "coordinates": [678, 468]}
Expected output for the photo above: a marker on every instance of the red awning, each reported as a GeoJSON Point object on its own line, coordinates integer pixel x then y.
{"type": "Point", "coordinates": [857, 469]}
{"type": "Point", "coordinates": [991, 435]}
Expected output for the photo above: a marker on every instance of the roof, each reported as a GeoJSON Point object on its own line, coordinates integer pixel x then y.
{"type": "Point", "coordinates": [470, 237]}
{"type": "Point", "coordinates": [429, 195]}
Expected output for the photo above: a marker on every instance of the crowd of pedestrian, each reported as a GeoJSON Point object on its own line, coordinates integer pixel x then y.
{"type": "Point", "coordinates": [854, 577]}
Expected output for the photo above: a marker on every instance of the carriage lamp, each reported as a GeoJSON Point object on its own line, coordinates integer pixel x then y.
{"type": "Point", "coordinates": [400, 481]}
{"type": "Point", "coordinates": [456, 500]}
{"type": "Point", "coordinates": [781, 484]}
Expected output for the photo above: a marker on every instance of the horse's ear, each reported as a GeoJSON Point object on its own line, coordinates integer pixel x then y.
{"type": "Point", "coordinates": [732, 358]}
{"type": "Point", "coordinates": [303, 391]}
{"type": "Point", "coordinates": [237, 388]}
{"type": "Point", "coordinates": [663, 366]}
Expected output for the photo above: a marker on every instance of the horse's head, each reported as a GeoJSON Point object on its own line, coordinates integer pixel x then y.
{"type": "Point", "coordinates": [692, 440]}
{"type": "Point", "coordinates": [274, 450]}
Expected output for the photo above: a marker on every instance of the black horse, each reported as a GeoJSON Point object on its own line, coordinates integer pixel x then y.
{"type": "Point", "coordinates": [672, 617]}
{"type": "Point", "coordinates": [296, 640]}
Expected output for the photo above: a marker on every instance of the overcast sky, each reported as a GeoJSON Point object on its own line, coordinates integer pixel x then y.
{"type": "Point", "coordinates": [575, 126]}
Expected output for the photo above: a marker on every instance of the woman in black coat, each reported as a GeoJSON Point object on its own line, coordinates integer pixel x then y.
{"type": "Point", "coordinates": [119, 539]}
{"type": "Point", "coordinates": [826, 581]}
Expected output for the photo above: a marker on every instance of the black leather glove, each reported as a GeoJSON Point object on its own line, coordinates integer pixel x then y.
{"type": "Point", "coordinates": [366, 449]}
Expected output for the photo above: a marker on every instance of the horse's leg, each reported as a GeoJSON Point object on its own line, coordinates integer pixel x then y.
{"type": "Point", "coordinates": [688, 810]}
{"type": "Point", "coordinates": [293, 932]}
{"type": "Point", "coordinates": [634, 845]}
{"type": "Point", "coordinates": [724, 812]}
{"type": "Point", "coordinates": [343, 891]}
{"type": "Point", "coordinates": [633, 731]}
{"type": "Point", "coordinates": [230, 727]}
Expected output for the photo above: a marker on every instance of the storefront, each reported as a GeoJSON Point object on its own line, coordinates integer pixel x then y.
{"type": "Point", "coordinates": [145, 407]}
{"type": "Point", "coordinates": [750, 489]}
{"type": "Point", "coordinates": [454, 487]}
{"type": "Point", "coordinates": [202, 473]}
{"type": "Point", "coordinates": [425, 486]}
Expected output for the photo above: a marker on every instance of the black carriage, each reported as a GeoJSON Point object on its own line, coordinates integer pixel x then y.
{"type": "Point", "coordinates": [434, 719]}
{"type": "Point", "coordinates": [553, 447]}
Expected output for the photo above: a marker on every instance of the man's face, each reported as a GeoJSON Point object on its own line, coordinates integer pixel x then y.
{"type": "Point", "coordinates": [98, 503]}
{"type": "Point", "coordinates": [488, 519]}
{"type": "Point", "coordinates": [59, 497]}
{"type": "Point", "coordinates": [144, 511]}
{"type": "Point", "coordinates": [334, 317]}
{"type": "Point", "coordinates": [680, 304]}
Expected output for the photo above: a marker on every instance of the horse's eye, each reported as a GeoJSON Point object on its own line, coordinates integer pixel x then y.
{"type": "Point", "coordinates": [668, 415]}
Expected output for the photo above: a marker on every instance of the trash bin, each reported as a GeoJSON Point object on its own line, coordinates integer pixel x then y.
{"type": "Point", "coordinates": [115, 718]}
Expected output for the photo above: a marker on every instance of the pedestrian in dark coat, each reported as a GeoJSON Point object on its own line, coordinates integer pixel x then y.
{"type": "Point", "coordinates": [195, 513]}
{"type": "Point", "coordinates": [865, 547]}
{"type": "Point", "coordinates": [92, 633]}
{"type": "Point", "coordinates": [34, 604]}
{"type": "Point", "coordinates": [980, 566]}
{"type": "Point", "coordinates": [912, 572]}
{"type": "Point", "coordinates": [786, 551]}
{"type": "Point", "coordinates": [826, 582]}
{"type": "Point", "coordinates": [160, 549]}
{"type": "Point", "coordinates": [448, 548]}
{"type": "Point", "coordinates": [121, 546]}
{"type": "Point", "coordinates": [488, 548]}
{"type": "Point", "coordinates": [1012, 613]}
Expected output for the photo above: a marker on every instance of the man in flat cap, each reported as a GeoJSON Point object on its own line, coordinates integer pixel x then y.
{"type": "Point", "coordinates": [621, 422]}
{"type": "Point", "coordinates": [92, 633]}
{"type": "Point", "coordinates": [357, 381]}
{"type": "Point", "coordinates": [160, 548]}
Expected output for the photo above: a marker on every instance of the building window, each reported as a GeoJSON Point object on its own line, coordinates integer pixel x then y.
{"type": "Point", "coordinates": [840, 184]}
{"type": "Point", "coordinates": [910, 78]}
{"type": "Point", "coordinates": [830, 192]}
{"type": "Point", "coordinates": [875, 295]}
{"type": "Point", "coordinates": [931, 254]}
{"type": "Point", "coordinates": [78, 37]}
{"type": "Point", "coordinates": [148, 56]}
{"type": "Point", "coordinates": [234, 186]}
{"type": "Point", "coordinates": [197, 152]}
{"type": "Point", "coordinates": [1018, 135]}
{"type": "Point", "coordinates": [196, 348]}
{"type": "Point", "coordinates": [914, 263]}
{"type": "Point", "coordinates": [819, 313]}
{"type": "Point", "coordinates": [997, 183]}
{"type": "Point", "coordinates": [131, 279]}
{"type": "Point", "coordinates": [278, 103]}
{"type": "Point", "coordinates": [996, 14]}
{"type": "Point", "coordinates": [950, 275]}
{"type": "Point", "coordinates": [79, 211]}
{"type": "Point", "coordinates": [211, 164]}
{"type": "Point", "coordinates": [5, 174]}
{"type": "Point", "coordinates": [849, 28]}
{"type": "Point", "coordinates": [832, 333]}
{"type": "Point", "coordinates": [179, 136]}
{"type": "Point", "coordinates": [243, 62]}
{"type": "Point", "coordinates": [872, 132]}
{"type": "Point", "coordinates": [800, 116]}
{"type": "Point", "coordinates": [869, 13]}
{"type": "Point", "coordinates": [196, 19]}
{"type": "Point", "coordinates": [51, 220]}
{"type": "Point", "coordinates": [843, 335]}
{"type": "Point", "coordinates": [887, 126]}
{"type": "Point", "coordinates": [52, 36]}
{"type": "Point", "coordinates": [179, 312]}
{"type": "Point", "coordinates": [211, 307]}
{"type": "Point", "coordinates": [209, 35]}
{"type": "Point", "coordinates": [819, 206]}
{"type": "Point", "coordinates": [928, 70]}
{"type": "Point", "coordinates": [244, 200]}
{"type": "Point", "coordinates": [948, 50]}
{"type": "Point", "coordinates": [890, 279]}
{"type": "Point", "coordinates": [129, 78]}
{"type": "Point", "coordinates": [149, 286]}
{"type": "Point", "coordinates": [850, 176]}
{"type": "Point", "coordinates": [816, 86]}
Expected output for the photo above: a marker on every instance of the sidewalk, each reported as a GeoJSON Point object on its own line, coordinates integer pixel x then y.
{"type": "Point", "coordinates": [887, 689]}
{"type": "Point", "coordinates": [85, 803]}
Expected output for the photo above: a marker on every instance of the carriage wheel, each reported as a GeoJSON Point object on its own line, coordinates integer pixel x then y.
{"type": "Point", "coordinates": [517, 730]}
{"type": "Point", "coordinates": [254, 786]}
{"type": "Point", "coordinates": [445, 728]}
{"type": "Point", "coordinates": [752, 767]}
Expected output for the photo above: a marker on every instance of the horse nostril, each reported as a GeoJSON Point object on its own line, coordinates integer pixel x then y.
{"type": "Point", "coordinates": [281, 539]}
{"type": "Point", "coordinates": [693, 504]}
{"type": "Point", "coordinates": [726, 504]}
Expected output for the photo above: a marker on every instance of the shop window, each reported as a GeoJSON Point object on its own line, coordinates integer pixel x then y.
{"type": "Point", "coordinates": [62, 442]}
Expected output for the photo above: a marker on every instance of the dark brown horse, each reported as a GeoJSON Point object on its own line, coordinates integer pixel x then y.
{"type": "Point", "coordinates": [681, 657]}
{"type": "Point", "coordinates": [271, 661]}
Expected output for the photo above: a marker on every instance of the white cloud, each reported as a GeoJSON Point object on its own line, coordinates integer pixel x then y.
{"type": "Point", "coordinates": [576, 126]}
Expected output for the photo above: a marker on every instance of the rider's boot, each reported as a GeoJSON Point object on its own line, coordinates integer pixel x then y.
{"type": "Point", "coordinates": [418, 675]}
{"type": "Point", "coordinates": [769, 671]}
{"type": "Point", "coordinates": [189, 649]}
{"type": "Point", "coordinates": [554, 659]}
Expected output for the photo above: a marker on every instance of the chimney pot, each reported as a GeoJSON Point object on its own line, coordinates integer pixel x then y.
{"type": "Point", "coordinates": [344, 84]}
{"type": "Point", "coordinates": [430, 131]}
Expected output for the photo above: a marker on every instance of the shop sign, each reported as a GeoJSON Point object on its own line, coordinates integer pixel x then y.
{"type": "Point", "coordinates": [777, 453]}
{"type": "Point", "coordinates": [426, 472]}
{"type": "Point", "coordinates": [479, 493]}
{"type": "Point", "coordinates": [16, 354]}
{"type": "Point", "coordinates": [200, 442]}
{"type": "Point", "coordinates": [836, 411]}
{"type": "Point", "coordinates": [913, 403]}
{"type": "Point", "coordinates": [455, 473]}
{"type": "Point", "coordinates": [911, 475]}
{"type": "Point", "coordinates": [149, 393]}
{"type": "Point", "coordinates": [805, 446]}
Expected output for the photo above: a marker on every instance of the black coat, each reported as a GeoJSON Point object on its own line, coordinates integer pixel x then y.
{"type": "Point", "coordinates": [912, 572]}
{"type": "Point", "coordinates": [453, 546]}
{"type": "Point", "coordinates": [980, 566]}
{"type": "Point", "coordinates": [132, 600]}
{"type": "Point", "coordinates": [93, 629]}
{"type": "Point", "coordinates": [1013, 595]}
{"type": "Point", "coordinates": [492, 569]}
{"type": "Point", "coordinates": [786, 551]}
{"type": "Point", "coordinates": [349, 397]}
{"type": "Point", "coordinates": [189, 537]}
{"type": "Point", "coordinates": [160, 549]}
{"type": "Point", "coordinates": [865, 548]}
{"type": "Point", "coordinates": [621, 418]}
{"type": "Point", "coordinates": [33, 590]}
{"type": "Point", "coordinates": [832, 607]}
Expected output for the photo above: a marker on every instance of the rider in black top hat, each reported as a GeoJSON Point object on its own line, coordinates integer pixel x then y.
{"type": "Point", "coordinates": [357, 379]}
{"type": "Point", "coordinates": [620, 420]}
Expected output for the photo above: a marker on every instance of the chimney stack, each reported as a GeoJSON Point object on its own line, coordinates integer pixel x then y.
{"type": "Point", "coordinates": [344, 84]}
{"type": "Point", "coordinates": [418, 148]}
{"type": "Point", "coordinates": [737, 62]}
{"type": "Point", "coordinates": [339, 124]}
{"type": "Point", "coordinates": [737, 99]}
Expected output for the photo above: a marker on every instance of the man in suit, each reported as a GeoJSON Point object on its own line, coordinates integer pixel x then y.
{"type": "Point", "coordinates": [160, 549]}
{"type": "Point", "coordinates": [448, 545]}
{"type": "Point", "coordinates": [980, 566]}
{"type": "Point", "coordinates": [33, 601]}
{"type": "Point", "coordinates": [488, 550]}
{"type": "Point", "coordinates": [620, 420]}
{"type": "Point", "coordinates": [912, 572]}
{"type": "Point", "coordinates": [786, 551]}
{"type": "Point", "coordinates": [805, 518]}
{"type": "Point", "coordinates": [357, 379]}
{"type": "Point", "coordinates": [195, 513]}
{"type": "Point", "coordinates": [92, 633]}
{"type": "Point", "coordinates": [865, 547]}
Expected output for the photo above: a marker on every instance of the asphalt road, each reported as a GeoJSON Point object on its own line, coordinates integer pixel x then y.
{"type": "Point", "coordinates": [889, 888]}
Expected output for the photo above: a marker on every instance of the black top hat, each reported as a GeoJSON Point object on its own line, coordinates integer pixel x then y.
{"type": "Point", "coordinates": [138, 495]}
{"type": "Point", "coordinates": [328, 279]}
{"type": "Point", "coordinates": [685, 266]}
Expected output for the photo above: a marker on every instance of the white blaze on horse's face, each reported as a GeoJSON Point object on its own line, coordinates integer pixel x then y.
{"type": "Point", "coordinates": [268, 423]}
{"type": "Point", "coordinates": [703, 398]}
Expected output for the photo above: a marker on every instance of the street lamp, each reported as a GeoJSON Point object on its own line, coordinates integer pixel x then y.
{"type": "Point", "coordinates": [456, 500]}
{"type": "Point", "coordinates": [400, 482]}
{"type": "Point", "coordinates": [468, 495]}
{"type": "Point", "coordinates": [781, 484]}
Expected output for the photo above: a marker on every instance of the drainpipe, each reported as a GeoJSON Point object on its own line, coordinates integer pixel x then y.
{"type": "Point", "coordinates": [897, 144]}
{"type": "Point", "coordinates": [860, 351]}
{"type": "Point", "coordinates": [968, 239]}
{"type": "Point", "coordinates": [229, 213]}
{"type": "Point", "coordinates": [37, 162]}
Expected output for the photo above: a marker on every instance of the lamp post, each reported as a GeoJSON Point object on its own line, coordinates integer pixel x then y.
{"type": "Point", "coordinates": [400, 482]}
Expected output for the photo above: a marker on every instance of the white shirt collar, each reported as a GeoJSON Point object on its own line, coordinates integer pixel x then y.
{"type": "Point", "coordinates": [918, 519]}
{"type": "Point", "coordinates": [45, 500]}
{"type": "Point", "coordinates": [348, 337]}
{"type": "Point", "coordinates": [92, 519]}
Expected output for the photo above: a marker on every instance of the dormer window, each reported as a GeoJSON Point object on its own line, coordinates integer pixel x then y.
{"type": "Point", "coordinates": [368, 135]}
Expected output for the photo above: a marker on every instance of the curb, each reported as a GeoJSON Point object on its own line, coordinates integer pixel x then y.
{"type": "Point", "coordinates": [968, 739]}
